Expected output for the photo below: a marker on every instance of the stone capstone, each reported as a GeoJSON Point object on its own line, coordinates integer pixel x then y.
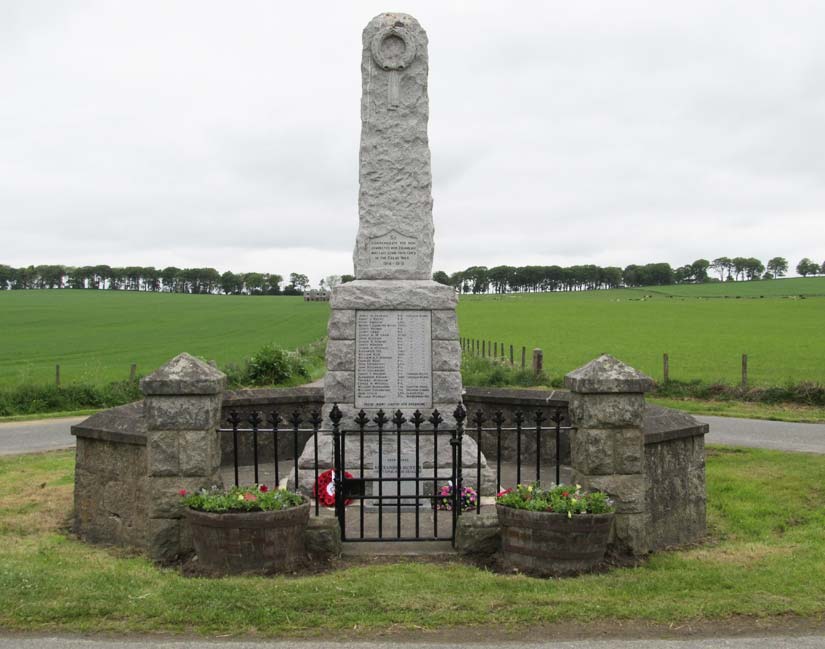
{"type": "Point", "coordinates": [606, 374]}
{"type": "Point", "coordinates": [393, 294]}
{"type": "Point", "coordinates": [184, 375]}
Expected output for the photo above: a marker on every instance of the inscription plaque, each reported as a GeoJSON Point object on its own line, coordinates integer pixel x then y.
{"type": "Point", "coordinates": [393, 250]}
{"type": "Point", "coordinates": [393, 359]}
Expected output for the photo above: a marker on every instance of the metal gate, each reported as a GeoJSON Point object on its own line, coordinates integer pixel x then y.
{"type": "Point", "coordinates": [398, 505]}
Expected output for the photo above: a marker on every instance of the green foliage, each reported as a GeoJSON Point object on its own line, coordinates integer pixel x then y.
{"type": "Point", "coordinates": [271, 365]}
{"type": "Point", "coordinates": [30, 398]}
{"type": "Point", "coordinates": [805, 392]}
{"type": "Point", "coordinates": [253, 498]}
{"type": "Point", "coordinates": [560, 499]}
{"type": "Point", "coordinates": [486, 372]}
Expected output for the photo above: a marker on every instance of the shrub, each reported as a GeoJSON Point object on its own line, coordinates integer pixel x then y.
{"type": "Point", "coordinates": [488, 372]}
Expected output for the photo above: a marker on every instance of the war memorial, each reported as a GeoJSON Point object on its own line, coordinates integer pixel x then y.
{"type": "Point", "coordinates": [393, 427]}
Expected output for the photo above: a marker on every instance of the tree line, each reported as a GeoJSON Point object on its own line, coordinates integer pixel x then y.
{"type": "Point", "coordinates": [148, 278]}
{"type": "Point", "coordinates": [520, 279]}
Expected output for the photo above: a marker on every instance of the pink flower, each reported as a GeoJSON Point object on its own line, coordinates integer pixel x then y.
{"type": "Point", "coordinates": [182, 492]}
{"type": "Point", "coordinates": [503, 492]}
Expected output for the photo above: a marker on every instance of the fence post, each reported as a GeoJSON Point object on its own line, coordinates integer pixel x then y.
{"type": "Point", "coordinates": [665, 368]}
{"type": "Point", "coordinates": [484, 349]}
{"type": "Point", "coordinates": [57, 375]}
{"type": "Point", "coordinates": [511, 355]}
{"type": "Point", "coordinates": [182, 409]}
{"type": "Point", "coordinates": [607, 449]}
{"type": "Point", "coordinates": [495, 349]}
{"type": "Point", "coordinates": [744, 370]}
{"type": "Point", "coordinates": [523, 357]}
{"type": "Point", "coordinates": [132, 371]}
{"type": "Point", "coordinates": [538, 361]}
{"type": "Point", "coordinates": [502, 350]}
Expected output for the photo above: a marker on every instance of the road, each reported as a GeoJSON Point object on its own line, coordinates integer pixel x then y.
{"type": "Point", "coordinates": [39, 435]}
{"type": "Point", "coordinates": [53, 434]}
{"type": "Point", "coordinates": [758, 433]}
{"type": "Point", "coordinates": [777, 642]}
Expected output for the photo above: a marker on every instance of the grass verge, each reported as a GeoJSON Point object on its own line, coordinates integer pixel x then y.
{"type": "Point", "coordinates": [765, 558]}
{"type": "Point", "coordinates": [791, 412]}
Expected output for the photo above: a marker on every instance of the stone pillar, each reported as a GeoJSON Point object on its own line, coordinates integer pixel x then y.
{"type": "Point", "coordinates": [607, 405]}
{"type": "Point", "coordinates": [393, 337]}
{"type": "Point", "coordinates": [182, 409]}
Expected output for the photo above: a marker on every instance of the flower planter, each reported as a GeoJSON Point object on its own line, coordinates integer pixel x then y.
{"type": "Point", "coordinates": [244, 542]}
{"type": "Point", "coordinates": [546, 543]}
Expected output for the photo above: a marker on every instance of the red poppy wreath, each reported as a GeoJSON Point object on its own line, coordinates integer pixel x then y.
{"type": "Point", "coordinates": [324, 489]}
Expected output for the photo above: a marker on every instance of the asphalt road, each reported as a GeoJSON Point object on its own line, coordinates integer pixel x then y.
{"type": "Point", "coordinates": [39, 435]}
{"type": "Point", "coordinates": [53, 434]}
{"type": "Point", "coordinates": [795, 642]}
{"type": "Point", "coordinates": [758, 433]}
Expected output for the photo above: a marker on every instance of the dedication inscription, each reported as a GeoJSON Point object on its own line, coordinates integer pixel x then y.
{"type": "Point", "coordinates": [393, 359]}
{"type": "Point", "coordinates": [393, 250]}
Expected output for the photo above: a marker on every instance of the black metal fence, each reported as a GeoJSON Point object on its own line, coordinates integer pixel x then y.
{"type": "Point", "coordinates": [519, 447]}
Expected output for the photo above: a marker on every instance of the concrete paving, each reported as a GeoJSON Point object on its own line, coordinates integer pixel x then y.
{"type": "Point", "coordinates": [38, 435]}
{"type": "Point", "coordinates": [777, 642]}
{"type": "Point", "coordinates": [759, 433]}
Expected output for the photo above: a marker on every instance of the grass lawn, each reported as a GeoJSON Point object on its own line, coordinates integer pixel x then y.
{"type": "Point", "coordinates": [749, 410]}
{"type": "Point", "coordinates": [766, 558]}
{"type": "Point", "coordinates": [784, 337]}
{"type": "Point", "coordinates": [97, 335]}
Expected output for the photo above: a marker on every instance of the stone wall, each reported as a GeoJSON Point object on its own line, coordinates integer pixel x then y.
{"type": "Point", "coordinates": [111, 477]}
{"type": "Point", "coordinates": [675, 471]}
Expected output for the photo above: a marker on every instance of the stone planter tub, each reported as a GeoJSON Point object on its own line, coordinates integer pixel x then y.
{"type": "Point", "coordinates": [249, 542]}
{"type": "Point", "coordinates": [550, 544]}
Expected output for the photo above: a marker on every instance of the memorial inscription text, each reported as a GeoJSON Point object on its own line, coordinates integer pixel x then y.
{"type": "Point", "coordinates": [393, 250]}
{"type": "Point", "coordinates": [393, 359]}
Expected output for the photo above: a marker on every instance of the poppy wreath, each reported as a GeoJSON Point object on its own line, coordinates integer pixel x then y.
{"type": "Point", "coordinates": [324, 490]}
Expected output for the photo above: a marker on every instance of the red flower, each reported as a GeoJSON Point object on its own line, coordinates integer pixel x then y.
{"type": "Point", "coordinates": [324, 489]}
{"type": "Point", "coordinates": [248, 496]}
{"type": "Point", "coordinates": [182, 492]}
{"type": "Point", "coordinates": [565, 494]}
{"type": "Point", "coordinates": [263, 488]}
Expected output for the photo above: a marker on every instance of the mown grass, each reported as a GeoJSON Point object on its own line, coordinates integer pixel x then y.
{"type": "Point", "coordinates": [749, 410]}
{"type": "Point", "coordinates": [766, 557]}
{"type": "Point", "coordinates": [96, 335]}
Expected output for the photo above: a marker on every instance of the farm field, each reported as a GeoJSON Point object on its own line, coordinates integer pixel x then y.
{"type": "Point", "coordinates": [96, 335]}
{"type": "Point", "coordinates": [784, 337]}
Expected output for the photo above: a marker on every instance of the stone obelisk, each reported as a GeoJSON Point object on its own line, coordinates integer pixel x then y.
{"type": "Point", "coordinates": [393, 338]}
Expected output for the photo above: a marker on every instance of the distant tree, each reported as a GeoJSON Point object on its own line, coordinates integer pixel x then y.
{"type": "Point", "coordinates": [333, 281]}
{"type": "Point", "coordinates": [700, 270]}
{"type": "Point", "coordinates": [778, 266]}
{"type": "Point", "coordinates": [822, 268]}
{"type": "Point", "coordinates": [753, 268]}
{"type": "Point", "coordinates": [6, 277]}
{"type": "Point", "coordinates": [441, 277]}
{"type": "Point", "coordinates": [254, 283]}
{"type": "Point", "coordinates": [272, 283]}
{"type": "Point", "coordinates": [298, 281]}
{"type": "Point", "coordinates": [171, 279]}
{"type": "Point", "coordinates": [722, 265]}
{"type": "Point", "coordinates": [231, 284]}
{"type": "Point", "coordinates": [347, 278]}
{"type": "Point", "coordinates": [807, 267]}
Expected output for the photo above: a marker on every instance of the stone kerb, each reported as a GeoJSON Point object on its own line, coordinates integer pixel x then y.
{"type": "Point", "coordinates": [182, 409]}
{"type": "Point", "coordinates": [607, 406]}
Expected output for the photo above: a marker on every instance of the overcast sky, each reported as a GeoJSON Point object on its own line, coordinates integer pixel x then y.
{"type": "Point", "coordinates": [225, 134]}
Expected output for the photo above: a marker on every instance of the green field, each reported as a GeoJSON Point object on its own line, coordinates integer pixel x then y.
{"type": "Point", "coordinates": [96, 335]}
{"type": "Point", "coordinates": [784, 337]}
